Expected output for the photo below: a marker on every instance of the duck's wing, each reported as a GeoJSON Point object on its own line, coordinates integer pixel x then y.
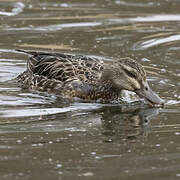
{"type": "Point", "coordinates": [64, 67]}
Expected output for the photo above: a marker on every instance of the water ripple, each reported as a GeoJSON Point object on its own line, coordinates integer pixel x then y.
{"type": "Point", "coordinates": [18, 8]}
{"type": "Point", "coordinates": [123, 3]}
{"type": "Point", "coordinates": [47, 111]}
{"type": "Point", "coordinates": [155, 42]}
{"type": "Point", "coordinates": [56, 27]}
{"type": "Point", "coordinates": [153, 18]}
{"type": "Point", "coordinates": [156, 18]}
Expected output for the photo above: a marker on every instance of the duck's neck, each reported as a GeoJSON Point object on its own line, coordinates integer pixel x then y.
{"type": "Point", "coordinates": [106, 88]}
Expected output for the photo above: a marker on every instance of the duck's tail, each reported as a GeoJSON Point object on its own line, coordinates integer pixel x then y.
{"type": "Point", "coordinates": [27, 52]}
{"type": "Point", "coordinates": [37, 53]}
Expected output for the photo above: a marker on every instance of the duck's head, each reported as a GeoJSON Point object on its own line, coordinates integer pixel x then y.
{"type": "Point", "coordinates": [128, 74]}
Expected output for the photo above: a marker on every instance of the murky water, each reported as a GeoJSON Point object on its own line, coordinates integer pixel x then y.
{"type": "Point", "coordinates": [43, 138]}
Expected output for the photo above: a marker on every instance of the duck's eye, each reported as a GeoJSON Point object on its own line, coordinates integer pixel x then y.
{"type": "Point", "coordinates": [130, 73]}
{"type": "Point", "coordinates": [146, 88]}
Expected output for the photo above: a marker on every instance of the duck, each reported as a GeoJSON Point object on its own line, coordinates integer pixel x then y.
{"type": "Point", "coordinates": [85, 77]}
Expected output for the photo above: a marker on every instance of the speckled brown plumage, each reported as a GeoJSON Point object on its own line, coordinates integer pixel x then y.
{"type": "Point", "coordinates": [81, 76]}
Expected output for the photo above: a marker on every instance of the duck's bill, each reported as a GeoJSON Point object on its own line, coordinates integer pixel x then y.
{"type": "Point", "coordinates": [150, 96]}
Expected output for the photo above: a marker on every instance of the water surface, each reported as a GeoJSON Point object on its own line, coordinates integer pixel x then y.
{"type": "Point", "coordinates": [42, 137]}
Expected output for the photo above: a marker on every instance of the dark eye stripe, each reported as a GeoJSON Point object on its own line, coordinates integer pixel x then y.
{"type": "Point", "coordinates": [129, 73]}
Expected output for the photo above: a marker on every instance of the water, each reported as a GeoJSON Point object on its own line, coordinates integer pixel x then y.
{"type": "Point", "coordinates": [42, 137]}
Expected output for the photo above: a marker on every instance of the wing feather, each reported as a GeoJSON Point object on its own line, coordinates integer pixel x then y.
{"type": "Point", "coordinates": [63, 67]}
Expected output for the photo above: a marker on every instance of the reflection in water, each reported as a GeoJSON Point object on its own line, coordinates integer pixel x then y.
{"type": "Point", "coordinates": [117, 122]}
{"type": "Point", "coordinates": [130, 125]}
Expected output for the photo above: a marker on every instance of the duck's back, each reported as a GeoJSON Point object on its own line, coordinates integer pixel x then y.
{"type": "Point", "coordinates": [60, 68]}
{"type": "Point", "coordinates": [64, 67]}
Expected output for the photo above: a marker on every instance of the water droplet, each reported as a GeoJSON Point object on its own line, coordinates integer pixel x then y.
{"type": "Point", "coordinates": [34, 145]}
{"type": "Point", "coordinates": [50, 159]}
{"type": "Point", "coordinates": [93, 153]}
{"type": "Point", "coordinates": [59, 165]}
{"type": "Point", "coordinates": [97, 157]}
{"type": "Point", "coordinates": [87, 174]}
{"type": "Point", "coordinates": [145, 60]}
{"type": "Point", "coordinates": [19, 141]}
{"type": "Point", "coordinates": [177, 133]}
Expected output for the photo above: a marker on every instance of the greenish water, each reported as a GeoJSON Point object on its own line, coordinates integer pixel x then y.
{"type": "Point", "coordinates": [42, 137]}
